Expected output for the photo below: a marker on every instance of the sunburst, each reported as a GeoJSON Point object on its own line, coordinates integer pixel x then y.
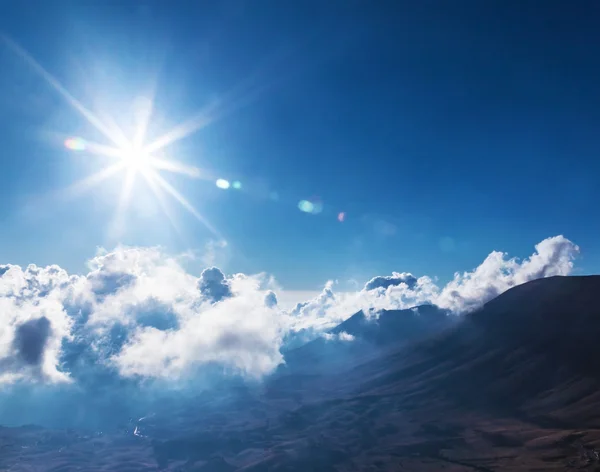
{"type": "Point", "coordinates": [133, 156]}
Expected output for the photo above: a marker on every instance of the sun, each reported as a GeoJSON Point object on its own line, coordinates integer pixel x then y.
{"type": "Point", "coordinates": [132, 155]}
{"type": "Point", "coordinates": [133, 158]}
{"type": "Point", "coordinates": [137, 160]}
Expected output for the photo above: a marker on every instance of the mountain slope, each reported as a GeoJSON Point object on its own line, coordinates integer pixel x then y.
{"type": "Point", "coordinates": [514, 386]}
{"type": "Point", "coordinates": [533, 349]}
{"type": "Point", "coordinates": [362, 337]}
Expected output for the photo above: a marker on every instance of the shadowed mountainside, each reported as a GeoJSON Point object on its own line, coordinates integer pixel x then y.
{"type": "Point", "coordinates": [367, 337]}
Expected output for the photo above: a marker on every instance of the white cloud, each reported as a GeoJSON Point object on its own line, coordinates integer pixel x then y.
{"type": "Point", "coordinates": [139, 313]}
{"type": "Point", "coordinates": [397, 278]}
{"type": "Point", "coordinates": [498, 273]}
{"type": "Point", "coordinates": [240, 332]}
{"type": "Point", "coordinates": [341, 336]}
{"type": "Point", "coordinates": [33, 322]}
{"type": "Point", "coordinates": [466, 292]}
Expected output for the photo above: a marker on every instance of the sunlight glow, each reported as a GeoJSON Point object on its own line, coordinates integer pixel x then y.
{"type": "Point", "coordinates": [132, 155]}
{"type": "Point", "coordinates": [137, 160]}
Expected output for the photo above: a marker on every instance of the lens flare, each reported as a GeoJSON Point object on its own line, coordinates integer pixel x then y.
{"type": "Point", "coordinates": [75, 144]}
{"type": "Point", "coordinates": [223, 184]}
{"type": "Point", "coordinates": [306, 206]}
{"type": "Point", "coordinates": [341, 216]}
{"type": "Point", "coordinates": [237, 185]}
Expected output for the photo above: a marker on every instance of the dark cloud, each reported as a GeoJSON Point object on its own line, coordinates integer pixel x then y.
{"type": "Point", "coordinates": [155, 314]}
{"type": "Point", "coordinates": [30, 340]}
{"type": "Point", "coordinates": [243, 343]}
{"type": "Point", "coordinates": [389, 281]}
{"type": "Point", "coordinates": [213, 286]}
{"type": "Point", "coordinates": [270, 299]}
{"type": "Point", "coordinates": [107, 283]}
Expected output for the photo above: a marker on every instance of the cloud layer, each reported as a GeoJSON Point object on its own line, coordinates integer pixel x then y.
{"type": "Point", "coordinates": [138, 314]}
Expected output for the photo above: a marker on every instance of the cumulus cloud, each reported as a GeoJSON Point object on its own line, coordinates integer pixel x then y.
{"type": "Point", "coordinates": [386, 281]}
{"type": "Point", "coordinates": [498, 273]}
{"type": "Point", "coordinates": [33, 321]}
{"type": "Point", "coordinates": [30, 340]}
{"type": "Point", "coordinates": [270, 299]}
{"type": "Point", "coordinates": [319, 305]}
{"type": "Point", "coordinates": [466, 292]}
{"type": "Point", "coordinates": [239, 333]}
{"type": "Point", "coordinates": [213, 285]}
{"type": "Point", "coordinates": [138, 313]}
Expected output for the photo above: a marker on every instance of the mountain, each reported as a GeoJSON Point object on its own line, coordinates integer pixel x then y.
{"type": "Point", "coordinates": [365, 336]}
{"type": "Point", "coordinates": [532, 349]}
{"type": "Point", "coordinates": [512, 386]}
{"type": "Point", "coordinates": [395, 326]}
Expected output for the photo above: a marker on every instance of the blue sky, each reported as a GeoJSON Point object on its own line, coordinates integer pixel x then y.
{"type": "Point", "coordinates": [443, 130]}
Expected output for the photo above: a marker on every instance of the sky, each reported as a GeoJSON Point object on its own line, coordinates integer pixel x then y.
{"type": "Point", "coordinates": [423, 135]}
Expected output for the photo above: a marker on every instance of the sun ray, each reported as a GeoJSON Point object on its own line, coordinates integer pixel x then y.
{"type": "Point", "coordinates": [201, 120]}
{"type": "Point", "coordinates": [158, 193]}
{"type": "Point", "coordinates": [56, 85]}
{"type": "Point", "coordinates": [124, 198]}
{"type": "Point", "coordinates": [92, 180]}
{"type": "Point", "coordinates": [187, 205]}
{"type": "Point", "coordinates": [144, 110]}
{"type": "Point", "coordinates": [178, 167]}
{"type": "Point", "coordinates": [102, 150]}
{"type": "Point", "coordinates": [240, 95]}
{"type": "Point", "coordinates": [126, 191]}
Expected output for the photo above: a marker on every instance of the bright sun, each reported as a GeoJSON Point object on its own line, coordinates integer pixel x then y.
{"type": "Point", "coordinates": [136, 160]}
{"type": "Point", "coordinates": [129, 154]}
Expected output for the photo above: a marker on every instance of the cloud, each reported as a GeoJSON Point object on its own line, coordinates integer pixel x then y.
{"type": "Point", "coordinates": [213, 286]}
{"type": "Point", "coordinates": [386, 281]}
{"type": "Point", "coordinates": [466, 292]}
{"type": "Point", "coordinates": [33, 321]}
{"type": "Point", "coordinates": [240, 333]}
{"type": "Point", "coordinates": [270, 299]}
{"type": "Point", "coordinates": [31, 338]}
{"type": "Point", "coordinates": [498, 273]}
{"type": "Point", "coordinates": [139, 314]}
{"type": "Point", "coordinates": [319, 305]}
{"type": "Point", "coordinates": [341, 336]}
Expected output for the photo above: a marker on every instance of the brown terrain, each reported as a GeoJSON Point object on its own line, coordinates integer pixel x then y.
{"type": "Point", "coordinates": [512, 386]}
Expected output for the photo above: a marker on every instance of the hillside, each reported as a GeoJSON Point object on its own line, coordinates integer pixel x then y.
{"type": "Point", "coordinates": [369, 337]}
